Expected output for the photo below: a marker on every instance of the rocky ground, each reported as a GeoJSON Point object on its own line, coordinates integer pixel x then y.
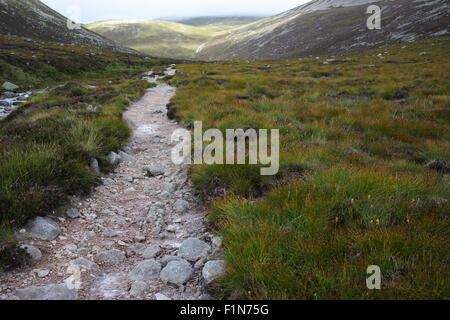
{"type": "Point", "coordinates": [10, 100]}
{"type": "Point", "coordinates": [140, 235]}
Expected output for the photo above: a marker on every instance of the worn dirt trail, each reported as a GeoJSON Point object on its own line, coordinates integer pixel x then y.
{"type": "Point", "coordinates": [136, 216]}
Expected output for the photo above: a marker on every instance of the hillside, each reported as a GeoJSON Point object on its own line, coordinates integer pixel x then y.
{"type": "Point", "coordinates": [363, 179]}
{"type": "Point", "coordinates": [33, 19]}
{"type": "Point", "coordinates": [165, 38]}
{"type": "Point", "coordinates": [330, 27]}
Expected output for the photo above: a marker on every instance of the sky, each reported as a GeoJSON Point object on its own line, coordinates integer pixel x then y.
{"type": "Point", "coordinates": [96, 10]}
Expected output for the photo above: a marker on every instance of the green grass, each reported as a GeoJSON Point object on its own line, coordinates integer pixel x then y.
{"type": "Point", "coordinates": [161, 38]}
{"type": "Point", "coordinates": [47, 143]}
{"type": "Point", "coordinates": [354, 188]}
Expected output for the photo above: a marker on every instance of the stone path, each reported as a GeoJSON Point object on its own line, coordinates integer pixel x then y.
{"type": "Point", "coordinates": [140, 235]}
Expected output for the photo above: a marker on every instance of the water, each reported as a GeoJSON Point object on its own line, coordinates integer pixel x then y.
{"type": "Point", "coordinates": [9, 101]}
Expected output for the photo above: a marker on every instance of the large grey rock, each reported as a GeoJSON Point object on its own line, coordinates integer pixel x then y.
{"type": "Point", "coordinates": [110, 257]}
{"type": "Point", "coordinates": [193, 249]}
{"type": "Point", "coordinates": [151, 252]}
{"type": "Point", "coordinates": [9, 86]}
{"type": "Point", "coordinates": [85, 263]}
{"type": "Point", "coordinates": [108, 182]}
{"type": "Point", "coordinates": [125, 157]}
{"type": "Point", "coordinates": [167, 258]}
{"type": "Point", "coordinates": [73, 213]}
{"type": "Point", "coordinates": [169, 187]}
{"type": "Point", "coordinates": [33, 252]}
{"type": "Point", "coordinates": [181, 206]}
{"type": "Point", "coordinates": [43, 228]}
{"type": "Point", "coordinates": [49, 292]}
{"type": "Point", "coordinates": [161, 297]}
{"type": "Point", "coordinates": [154, 170]}
{"type": "Point", "coordinates": [94, 165]}
{"type": "Point", "coordinates": [8, 95]}
{"type": "Point", "coordinates": [139, 288]}
{"type": "Point", "coordinates": [114, 158]}
{"type": "Point", "coordinates": [213, 270]}
{"type": "Point", "coordinates": [146, 270]}
{"type": "Point", "coordinates": [177, 272]}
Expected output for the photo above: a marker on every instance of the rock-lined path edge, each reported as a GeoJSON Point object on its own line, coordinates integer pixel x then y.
{"type": "Point", "coordinates": [140, 235]}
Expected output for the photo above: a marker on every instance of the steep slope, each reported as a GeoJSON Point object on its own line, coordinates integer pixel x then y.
{"type": "Point", "coordinates": [165, 38]}
{"type": "Point", "coordinates": [330, 26]}
{"type": "Point", "coordinates": [33, 19]}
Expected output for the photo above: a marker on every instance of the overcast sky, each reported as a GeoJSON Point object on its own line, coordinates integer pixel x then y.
{"type": "Point", "coordinates": [95, 10]}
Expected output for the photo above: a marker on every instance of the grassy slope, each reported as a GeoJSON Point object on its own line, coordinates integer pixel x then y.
{"type": "Point", "coordinates": [353, 190]}
{"type": "Point", "coordinates": [46, 144]}
{"type": "Point", "coordinates": [161, 38]}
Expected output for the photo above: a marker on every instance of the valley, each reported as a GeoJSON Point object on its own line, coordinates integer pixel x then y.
{"type": "Point", "coordinates": [179, 40]}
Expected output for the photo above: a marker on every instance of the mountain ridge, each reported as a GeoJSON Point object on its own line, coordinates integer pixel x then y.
{"type": "Point", "coordinates": [329, 27]}
{"type": "Point", "coordinates": [33, 19]}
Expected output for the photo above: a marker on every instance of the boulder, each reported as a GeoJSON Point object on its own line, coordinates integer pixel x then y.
{"type": "Point", "coordinates": [73, 213]}
{"type": "Point", "coordinates": [167, 258]}
{"type": "Point", "coordinates": [86, 264]}
{"type": "Point", "coordinates": [33, 252]}
{"type": "Point", "coordinates": [151, 252]}
{"type": "Point", "coordinates": [49, 292]}
{"type": "Point", "coordinates": [213, 270]}
{"type": "Point", "coordinates": [154, 170]}
{"type": "Point", "coordinates": [43, 228]}
{"type": "Point", "coordinates": [146, 270]}
{"type": "Point", "coordinates": [110, 257]}
{"type": "Point", "coordinates": [94, 165]}
{"type": "Point", "coordinates": [9, 86]}
{"type": "Point", "coordinates": [177, 272]}
{"type": "Point", "coordinates": [114, 158]}
{"type": "Point", "coordinates": [193, 249]}
{"type": "Point", "coordinates": [125, 157]}
{"type": "Point", "coordinates": [139, 288]}
{"type": "Point", "coordinates": [181, 206]}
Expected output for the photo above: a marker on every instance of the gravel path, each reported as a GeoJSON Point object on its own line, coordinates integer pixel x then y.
{"type": "Point", "coordinates": [137, 236]}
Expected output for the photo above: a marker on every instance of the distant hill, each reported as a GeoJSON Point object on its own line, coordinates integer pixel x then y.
{"type": "Point", "coordinates": [330, 27]}
{"type": "Point", "coordinates": [167, 38]}
{"type": "Point", "coordinates": [226, 20]}
{"type": "Point", "coordinates": [33, 19]}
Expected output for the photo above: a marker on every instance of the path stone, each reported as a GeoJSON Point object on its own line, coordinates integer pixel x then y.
{"type": "Point", "coordinates": [49, 292]}
{"type": "Point", "coordinates": [168, 258]}
{"type": "Point", "coordinates": [85, 263]}
{"type": "Point", "coordinates": [151, 252]}
{"type": "Point", "coordinates": [73, 213]}
{"type": "Point", "coordinates": [154, 170]}
{"type": "Point", "coordinates": [181, 206]}
{"type": "Point", "coordinates": [125, 157]}
{"type": "Point", "coordinates": [217, 242]}
{"type": "Point", "coordinates": [33, 252]}
{"type": "Point", "coordinates": [161, 297]}
{"type": "Point", "coordinates": [193, 249]}
{"type": "Point", "coordinates": [94, 165]}
{"type": "Point", "coordinates": [177, 272]}
{"type": "Point", "coordinates": [43, 228]}
{"type": "Point", "coordinates": [146, 270]}
{"type": "Point", "coordinates": [110, 257]}
{"type": "Point", "coordinates": [139, 288]}
{"type": "Point", "coordinates": [114, 158]}
{"type": "Point", "coordinates": [213, 270]}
